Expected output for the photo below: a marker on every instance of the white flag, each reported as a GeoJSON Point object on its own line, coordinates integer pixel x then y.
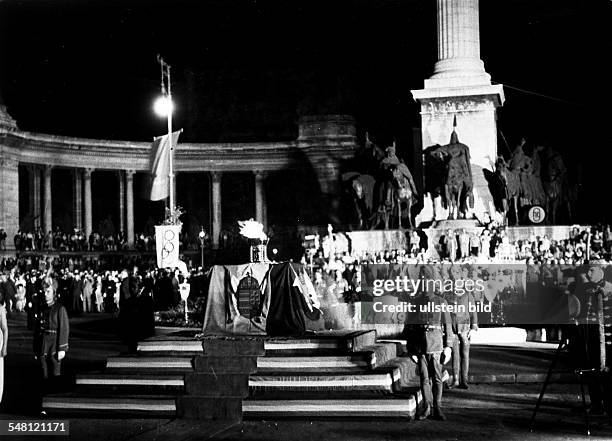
{"type": "Point", "coordinates": [159, 165]}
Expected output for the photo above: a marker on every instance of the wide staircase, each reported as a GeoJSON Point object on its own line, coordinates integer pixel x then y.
{"type": "Point", "coordinates": [330, 374]}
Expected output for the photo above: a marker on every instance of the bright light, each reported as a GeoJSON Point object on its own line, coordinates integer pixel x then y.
{"type": "Point", "coordinates": [202, 234]}
{"type": "Point", "coordinates": [163, 106]}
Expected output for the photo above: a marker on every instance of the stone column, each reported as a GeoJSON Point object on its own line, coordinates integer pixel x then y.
{"type": "Point", "coordinates": [129, 197]}
{"type": "Point", "coordinates": [77, 198]}
{"type": "Point", "coordinates": [461, 88]}
{"type": "Point", "coordinates": [47, 207]}
{"type": "Point", "coordinates": [9, 198]}
{"type": "Point", "coordinates": [216, 207]}
{"type": "Point", "coordinates": [87, 196]}
{"type": "Point", "coordinates": [260, 198]}
{"type": "Point", "coordinates": [34, 194]}
{"type": "Point", "coordinates": [121, 201]}
{"type": "Point", "coordinates": [458, 32]}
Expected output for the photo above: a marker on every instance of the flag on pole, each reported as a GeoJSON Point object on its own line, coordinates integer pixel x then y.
{"type": "Point", "coordinates": [159, 165]}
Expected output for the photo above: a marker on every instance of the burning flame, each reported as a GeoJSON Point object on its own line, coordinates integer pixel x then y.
{"type": "Point", "coordinates": [252, 229]}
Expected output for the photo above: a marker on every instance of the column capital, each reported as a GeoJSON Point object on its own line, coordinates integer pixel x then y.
{"type": "Point", "coordinates": [216, 176]}
{"type": "Point", "coordinates": [9, 162]}
{"type": "Point", "coordinates": [260, 174]}
{"type": "Point", "coordinates": [87, 172]}
{"type": "Point", "coordinates": [47, 168]}
{"type": "Point", "coordinates": [130, 173]}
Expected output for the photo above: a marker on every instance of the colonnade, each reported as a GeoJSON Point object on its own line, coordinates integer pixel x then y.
{"type": "Point", "coordinates": [41, 208]}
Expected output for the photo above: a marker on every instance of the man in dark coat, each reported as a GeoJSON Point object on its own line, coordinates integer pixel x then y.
{"type": "Point", "coordinates": [10, 293]}
{"type": "Point", "coordinates": [464, 322]}
{"type": "Point", "coordinates": [51, 334]}
{"type": "Point", "coordinates": [431, 335]}
{"type": "Point", "coordinates": [128, 308]}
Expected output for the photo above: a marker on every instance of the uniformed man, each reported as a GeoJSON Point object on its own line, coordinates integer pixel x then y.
{"type": "Point", "coordinates": [595, 300]}
{"type": "Point", "coordinates": [432, 339]}
{"type": "Point", "coordinates": [51, 333]}
{"type": "Point", "coordinates": [464, 323]}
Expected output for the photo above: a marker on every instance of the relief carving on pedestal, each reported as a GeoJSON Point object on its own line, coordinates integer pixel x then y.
{"type": "Point", "coordinates": [437, 107]}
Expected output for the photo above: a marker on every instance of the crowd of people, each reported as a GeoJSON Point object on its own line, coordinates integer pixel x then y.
{"type": "Point", "coordinates": [491, 245]}
{"type": "Point", "coordinates": [74, 241]}
{"type": "Point", "coordinates": [95, 291]}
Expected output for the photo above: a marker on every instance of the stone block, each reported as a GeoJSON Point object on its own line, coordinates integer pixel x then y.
{"type": "Point", "coordinates": [236, 385]}
{"type": "Point", "coordinates": [222, 347]}
{"type": "Point", "coordinates": [361, 340]}
{"type": "Point", "coordinates": [225, 365]}
{"type": "Point", "coordinates": [206, 408]}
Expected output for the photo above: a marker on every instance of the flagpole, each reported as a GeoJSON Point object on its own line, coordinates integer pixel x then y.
{"type": "Point", "coordinates": [171, 160]}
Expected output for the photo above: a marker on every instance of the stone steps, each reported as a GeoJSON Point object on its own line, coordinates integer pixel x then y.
{"type": "Point", "coordinates": [149, 364]}
{"type": "Point", "coordinates": [152, 406]}
{"type": "Point", "coordinates": [323, 382]}
{"type": "Point", "coordinates": [354, 362]}
{"type": "Point", "coordinates": [218, 377]}
{"type": "Point", "coordinates": [349, 407]}
{"type": "Point", "coordinates": [160, 348]}
{"type": "Point", "coordinates": [130, 383]}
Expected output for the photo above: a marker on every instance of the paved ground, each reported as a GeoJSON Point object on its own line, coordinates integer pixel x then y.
{"type": "Point", "coordinates": [488, 412]}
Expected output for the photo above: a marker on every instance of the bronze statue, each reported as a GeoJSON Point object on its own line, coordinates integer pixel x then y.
{"type": "Point", "coordinates": [396, 189]}
{"type": "Point", "coordinates": [538, 179]}
{"type": "Point", "coordinates": [360, 189]}
{"type": "Point", "coordinates": [449, 174]}
{"type": "Point", "coordinates": [505, 188]}
{"type": "Point", "coordinates": [555, 182]}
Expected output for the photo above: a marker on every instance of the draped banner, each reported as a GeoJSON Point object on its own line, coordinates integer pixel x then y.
{"type": "Point", "coordinates": [167, 243]}
{"type": "Point", "coordinates": [159, 165]}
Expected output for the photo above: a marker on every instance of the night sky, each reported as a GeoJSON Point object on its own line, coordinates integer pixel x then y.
{"type": "Point", "coordinates": [245, 70]}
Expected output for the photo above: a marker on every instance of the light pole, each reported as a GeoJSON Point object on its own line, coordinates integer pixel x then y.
{"type": "Point", "coordinates": [164, 107]}
{"type": "Point", "coordinates": [202, 237]}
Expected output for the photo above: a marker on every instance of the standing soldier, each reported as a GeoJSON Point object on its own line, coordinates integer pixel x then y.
{"type": "Point", "coordinates": [464, 244]}
{"type": "Point", "coordinates": [51, 334]}
{"type": "Point", "coordinates": [463, 323]}
{"type": "Point", "coordinates": [596, 329]}
{"type": "Point", "coordinates": [432, 335]}
{"type": "Point", "coordinates": [449, 245]}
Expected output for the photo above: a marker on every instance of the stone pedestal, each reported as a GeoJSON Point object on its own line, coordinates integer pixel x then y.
{"type": "Point", "coordinates": [220, 380]}
{"type": "Point", "coordinates": [474, 108]}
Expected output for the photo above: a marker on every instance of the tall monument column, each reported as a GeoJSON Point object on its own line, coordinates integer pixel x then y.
{"type": "Point", "coordinates": [47, 213]}
{"type": "Point", "coordinates": [260, 199]}
{"type": "Point", "coordinates": [129, 202]}
{"type": "Point", "coordinates": [460, 87]}
{"type": "Point", "coordinates": [77, 199]}
{"type": "Point", "coordinates": [87, 196]}
{"type": "Point", "coordinates": [216, 207]}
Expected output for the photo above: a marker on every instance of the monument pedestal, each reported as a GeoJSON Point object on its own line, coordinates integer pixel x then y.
{"type": "Point", "coordinates": [474, 107]}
